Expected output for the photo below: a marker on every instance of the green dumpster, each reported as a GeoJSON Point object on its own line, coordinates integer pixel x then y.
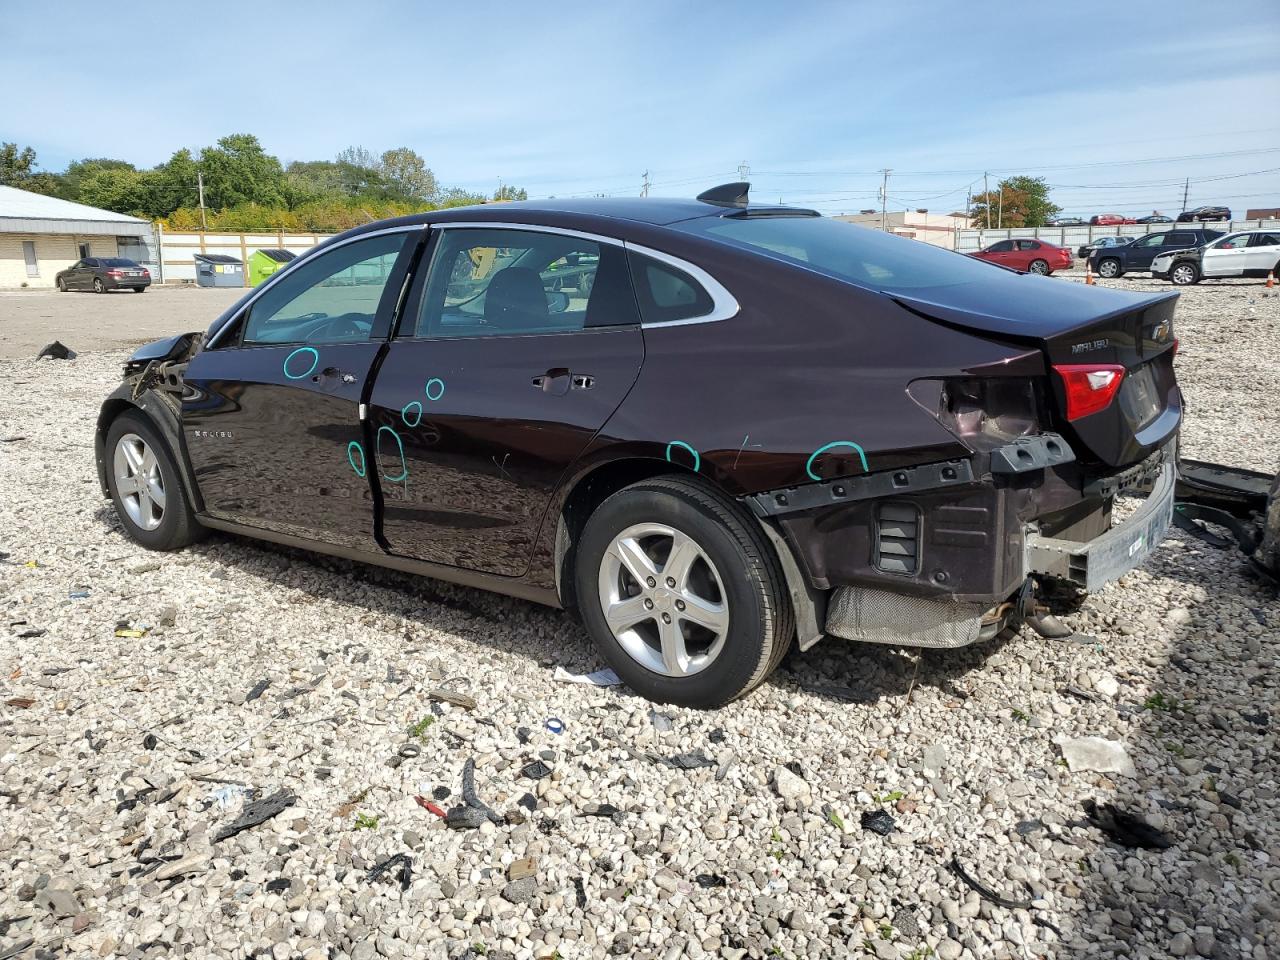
{"type": "Point", "coordinates": [263, 263]}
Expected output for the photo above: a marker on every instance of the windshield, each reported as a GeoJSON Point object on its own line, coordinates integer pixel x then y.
{"type": "Point", "coordinates": [860, 255]}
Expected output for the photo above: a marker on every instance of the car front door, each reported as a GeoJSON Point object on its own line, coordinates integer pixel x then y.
{"type": "Point", "coordinates": [517, 347]}
{"type": "Point", "coordinates": [271, 418]}
{"type": "Point", "coordinates": [1000, 253]}
{"type": "Point", "coordinates": [1225, 257]}
{"type": "Point", "coordinates": [1264, 251]}
{"type": "Point", "coordinates": [1139, 254]}
{"type": "Point", "coordinates": [84, 273]}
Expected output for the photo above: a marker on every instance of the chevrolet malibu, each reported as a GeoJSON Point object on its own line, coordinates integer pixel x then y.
{"type": "Point", "coordinates": [708, 428]}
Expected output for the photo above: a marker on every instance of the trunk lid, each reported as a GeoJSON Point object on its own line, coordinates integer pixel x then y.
{"type": "Point", "coordinates": [1081, 327]}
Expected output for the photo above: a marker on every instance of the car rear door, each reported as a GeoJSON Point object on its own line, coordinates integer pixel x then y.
{"type": "Point", "coordinates": [517, 346]}
{"type": "Point", "coordinates": [1264, 251]}
{"type": "Point", "coordinates": [271, 418]}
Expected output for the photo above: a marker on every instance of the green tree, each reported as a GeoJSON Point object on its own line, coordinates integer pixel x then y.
{"type": "Point", "coordinates": [238, 170]}
{"type": "Point", "coordinates": [1016, 202]}
{"type": "Point", "coordinates": [406, 175]}
{"type": "Point", "coordinates": [170, 185]}
{"type": "Point", "coordinates": [78, 171]}
{"type": "Point", "coordinates": [113, 188]}
{"type": "Point", "coordinates": [42, 181]}
{"type": "Point", "coordinates": [458, 197]}
{"type": "Point", "coordinates": [15, 164]}
{"type": "Point", "coordinates": [507, 192]}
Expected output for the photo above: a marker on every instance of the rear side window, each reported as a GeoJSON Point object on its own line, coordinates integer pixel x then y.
{"type": "Point", "coordinates": [1266, 239]}
{"type": "Point", "coordinates": [665, 293]}
{"type": "Point", "coordinates": [1028, 245]}
{"type": "Point", "coordinates": [1180, 239]}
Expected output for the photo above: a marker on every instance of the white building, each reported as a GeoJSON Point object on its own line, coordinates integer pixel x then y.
{"type": "Point", "coordinates": [936, 228]}
{"type": "Point", "coordinates": [41, 235]}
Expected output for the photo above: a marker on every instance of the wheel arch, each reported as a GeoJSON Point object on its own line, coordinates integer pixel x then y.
{"type": "Point", "coordinates": [162, 414]}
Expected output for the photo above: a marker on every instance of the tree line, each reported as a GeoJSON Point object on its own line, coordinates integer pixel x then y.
{"type": "Point", "coordinates": [246, 188]}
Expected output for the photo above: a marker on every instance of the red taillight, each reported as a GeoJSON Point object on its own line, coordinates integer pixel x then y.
{"type": "Point", "coordinates": [1089, 387]}
{"type": "Point", "coordinates": [146, 272]}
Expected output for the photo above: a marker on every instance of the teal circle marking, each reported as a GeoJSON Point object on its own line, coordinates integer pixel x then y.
{"type": "Point", "coordinates": [315, 362]}
{"type": "Point", "coordinates": [404, 467]}
{"type": "Point", "coordinates": [697, 459]}
{"type": "Point", "coordinates": [808, 467]}
{"type": "Point", "coordinates": [354, 447]}
{"type": "Point", "coordinates": [404, 414]}
{"type": "Point", "coordinates": [427, 389]}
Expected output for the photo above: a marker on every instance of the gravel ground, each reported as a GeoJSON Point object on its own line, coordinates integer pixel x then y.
{"type": "Point", "coordinates": [150, 723]}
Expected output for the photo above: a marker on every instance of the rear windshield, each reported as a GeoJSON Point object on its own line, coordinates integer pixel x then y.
{"type": "Point", "coordinates": [866, 257]}
{"type": "Point", "coordinates": [117, 262]}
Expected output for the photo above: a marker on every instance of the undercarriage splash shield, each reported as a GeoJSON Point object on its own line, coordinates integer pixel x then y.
{"type": "Point", "coordinates": [878, 616]}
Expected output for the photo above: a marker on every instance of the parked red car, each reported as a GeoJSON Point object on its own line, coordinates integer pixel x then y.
{"type": "Point", "coordinates": [1110, 220]}
{"type": "Point", "coordinates": [1029, 256]}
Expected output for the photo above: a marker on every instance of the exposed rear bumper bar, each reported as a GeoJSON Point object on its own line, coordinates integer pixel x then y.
{"type": "Point", "coordinates": [1097, 562]}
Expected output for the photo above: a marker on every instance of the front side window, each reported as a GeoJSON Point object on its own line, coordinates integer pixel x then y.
{"type": "Point", "coordinates": [1153, 240]}
{"type": "Point", "coordinates": [331, 298]}
{"type": "Point", "coordinates": [1234, 242]}
{"type": "Point", "coordinates": [505, 282]}
{"type": "Point", "coordinates": [1004, 246]}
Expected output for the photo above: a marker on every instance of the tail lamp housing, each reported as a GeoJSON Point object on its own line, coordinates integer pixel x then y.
{"type": "Point", "coordinates": [1088, 387]}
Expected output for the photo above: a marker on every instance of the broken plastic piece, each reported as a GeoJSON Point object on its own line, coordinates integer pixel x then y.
{"type": "Point", "coordinates": [257, 812]}
{"type": "Point", "coordinates": [427, 805]}
{"type": "Point", "coordinates": [131, 634]}
{"type": "Point", "coordinates": [469, 792]}
{"type": "Point", "coordinates": [709, 880]}
{"type": "Point", "coordinates": [1125, 827]}
{"type": "Point", "coordinates": [555, 725]}
{"type": "Point", "coordinates": [984, 892]}
{"type": "Point", "coordinates": [687, 761]}
{"type": "Point", "coordinates": [604, 677]}
{"type": "Point", "coordinates": [535, 770]}
{"type": "Point", "coordinates": [529, 802]}
{"type": "Point", "coordinates": [78, 595]}
{"type": "Point", "coordinates": [404, 874]}
{"type": "Point", "coordinates": [258, 690]}
{"type": "Point", "coordinates": [878, 821]}
{"type": "Point", "coordinates": [449, 696]}
{"type": "Point", "coordinates": [56, 351]}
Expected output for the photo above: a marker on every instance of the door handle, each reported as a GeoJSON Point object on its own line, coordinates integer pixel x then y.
{"type": "Point", "coordinates": [335, 372]}
{"type": "Point", "coordinates": [555, 381]}
{"type": "Point", "coordinates": [583, 381]}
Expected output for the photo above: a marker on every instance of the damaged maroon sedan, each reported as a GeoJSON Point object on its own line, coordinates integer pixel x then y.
{"type": "Point", "coordinates": [708, 428]}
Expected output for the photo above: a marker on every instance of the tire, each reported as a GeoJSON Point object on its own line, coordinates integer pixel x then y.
{"type": "Point", "coordinates": [734, 562]}
{"type": "Point", "coordinates": [98, 286]}
{"type": "Point", "coordinates": [139, 289]}
{"type": "Point", "coordinates": [1109, 268]}
{"type": "Point", "coordinates": [1184, 274]}
{"type": "Point", "coordinates": [1040, 268]}
{"type": "Point", "coordinates": [175, 526]}
{"type": "Point", "coordinates": [62, 285]}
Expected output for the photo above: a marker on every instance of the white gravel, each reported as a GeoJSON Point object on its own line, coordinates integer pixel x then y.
{"type": "Point", "coordinates": [107, 836]}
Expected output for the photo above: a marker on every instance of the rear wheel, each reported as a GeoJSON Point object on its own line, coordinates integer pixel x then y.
{"type": "Point", "coordinates": [682, 593]}
{"type": "Point", "coordinates": [98, 286]}
{"type": "Point", "coordinates": [139, 289]}
{"type": "Point", "coordinates": [1184, 274]}
{"type": "Point", "coordinates": [1040, 266]}
{"type": "Point", "coordinates": [1109, 268]}
{"type": "Point", "coordinates": [144, 485]}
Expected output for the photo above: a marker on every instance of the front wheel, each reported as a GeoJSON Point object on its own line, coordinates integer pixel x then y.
{"type": "Point", "coordinates": [143, 480]}
{"type": "Point", "coordinates": [1184, 274]}
{"type": "Point", "coordinates": [682, 593]}
{"type": "Point", "coordinates": [1040, 267]}
{"type": "Point", "coordinates": [62, 285]}
{"type": "Point", "coordinates": [1109, 268]}
{"type": "Point", "coordinates": [98, 286]}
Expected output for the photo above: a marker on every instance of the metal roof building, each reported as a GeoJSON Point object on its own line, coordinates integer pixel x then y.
{"type": "Point", "coordinates": [41, 235]}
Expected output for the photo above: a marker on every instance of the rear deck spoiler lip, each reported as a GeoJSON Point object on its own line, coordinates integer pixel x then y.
{"type": "Point", "coordinates": [1005, 327]}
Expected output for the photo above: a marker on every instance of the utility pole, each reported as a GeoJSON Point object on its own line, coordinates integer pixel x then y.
{"type": "Point", "coordinates": [968, 203]}
{"type": "Point", "coordinates": [1000, 209]}
{"type": "Point", "coordinates": [204, 226]}
{"type": "Point", "coordinates": [884, 193]}
{"type": "Point", "coordinates": [986, 198]}
{"type": "Point", "coordinates": [644, 187]}
{"type": "Point", "coordinates": [1186, 188]}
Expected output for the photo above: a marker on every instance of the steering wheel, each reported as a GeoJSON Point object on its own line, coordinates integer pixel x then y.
{"type": "Point", "coordinates": [353, 326]}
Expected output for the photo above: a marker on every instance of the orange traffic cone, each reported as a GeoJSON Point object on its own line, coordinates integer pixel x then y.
{"type": "Point", "coordinates": [1271, 279]}
{"type": "Point", "coordinates": [1088, 275]}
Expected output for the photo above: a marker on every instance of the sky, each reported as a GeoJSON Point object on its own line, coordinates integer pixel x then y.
{"type": "Point", "coordinates": [1114, 109]}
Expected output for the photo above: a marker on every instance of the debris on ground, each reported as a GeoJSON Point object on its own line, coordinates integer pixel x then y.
{"type": "Point", "coordinates": [259, 811]}
{"type": "Point", "coordinates": [535, 770]}
{"type": "Point", "coordinates": [451, 696]}
{"type": "Point", "coordinates": [661, 722]}
{"type": "Point", "coordinates": [1126, 828]}
{"type": "Point", "coordinates": [709, 881]}
{"type": "Point", "coordinates": [228, 796]}
{"type": "Point", "coordinates": [985, 892]}
{"type": "Point", "coordinates": [555, 725]}
{"type": "Point", "coordinates": [597, 678]}
{"type": "Point", "coordinates": [56, 351]}
{"type": "Point", "coordinates": [472, 812]}
{"type": "Point", "coordinates": [430, 806]}
{"type": "Point", "coordinates": [258, 690]}
{"type": "Point", "coordinates": [401, 863]}
{"type": "Point", "coordinates": [878, 821]}
{"type": "Point", "coordinates": [519, 869]}
{"type": "Point", "coordinates": [1096, 754]}
{"type": "Point", "coordinates": [22, 703]}
{"type": "Point", "coordinates": [686, 761]}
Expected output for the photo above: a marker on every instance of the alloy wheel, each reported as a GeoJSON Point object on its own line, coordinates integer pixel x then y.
{"type": "Point", "coordinates": [1039, 267]}
{"type": "Point", "coordinates": [663, 600]}
{"type": "Point", "coordinates": [1108, 268]}
{"type": "Point", "coordinates": [1183, 274]}
{"type": "Point", "coordinates": [97, 286]}
{"type": "Point", "coordinates": [139, 483]}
